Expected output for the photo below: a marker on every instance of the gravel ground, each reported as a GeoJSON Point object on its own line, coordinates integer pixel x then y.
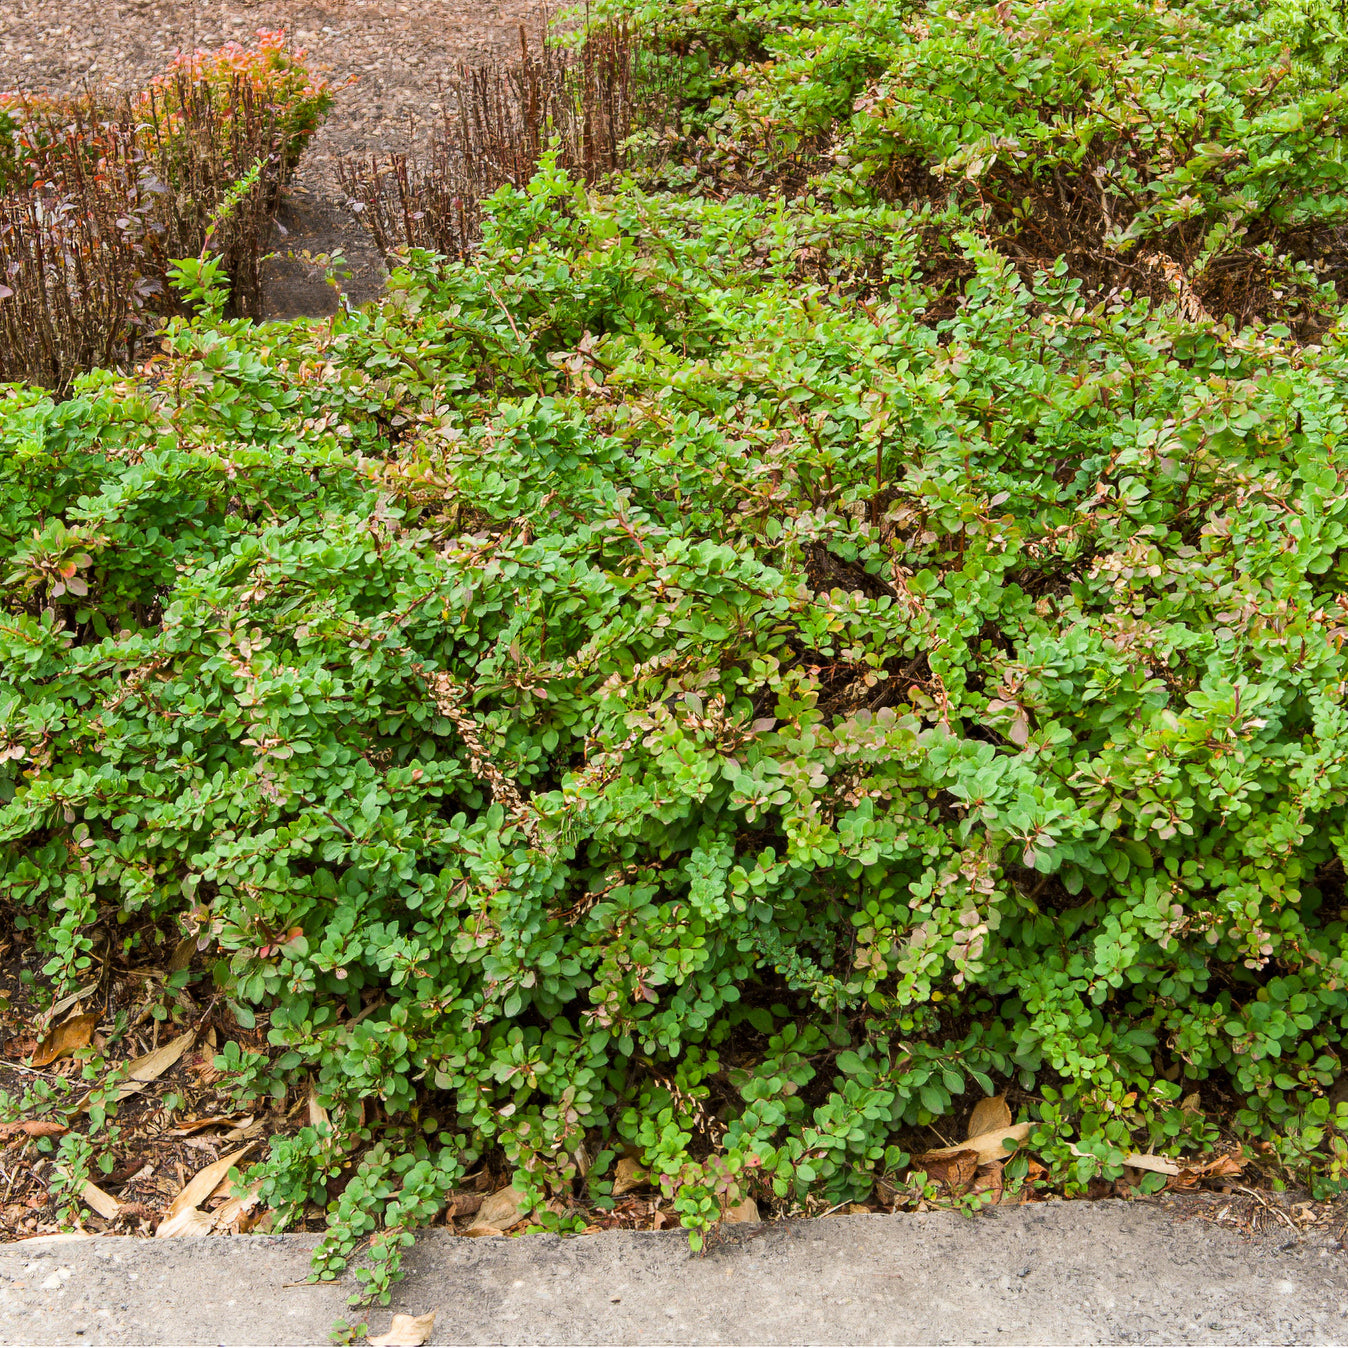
{"type": "Point", "coordinates": [1049, 1273]}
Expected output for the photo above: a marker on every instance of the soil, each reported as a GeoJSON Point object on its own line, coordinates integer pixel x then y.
{"type": "Point", "coordinates": [391, 60]}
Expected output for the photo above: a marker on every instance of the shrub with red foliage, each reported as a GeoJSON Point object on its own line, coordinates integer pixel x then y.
{"type": "Point", "coordinates": [99, 198]}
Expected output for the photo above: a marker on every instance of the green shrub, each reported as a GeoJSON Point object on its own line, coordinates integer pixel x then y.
{"type": "Point", "coordinates": [625, 693]}
{"type": "Point", "coordinates": [1141, 142]}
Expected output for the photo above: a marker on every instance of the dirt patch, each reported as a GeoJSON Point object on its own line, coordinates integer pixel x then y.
{"type": "Point", "coordinates": [314, 224]}
{"type": "Point", "coordinates": [392, 61]}
{"type": "Point", "coordinates": [166, 1130]}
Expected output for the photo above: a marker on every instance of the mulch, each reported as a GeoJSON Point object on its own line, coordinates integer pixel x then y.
{"type": "Point", "coordinates": [162, 1135]}
{"type": "Point", "coordinates": [398, 56]}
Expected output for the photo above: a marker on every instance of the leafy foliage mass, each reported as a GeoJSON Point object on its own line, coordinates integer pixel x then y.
{"type": "Point", "coordinates": [733, 679]}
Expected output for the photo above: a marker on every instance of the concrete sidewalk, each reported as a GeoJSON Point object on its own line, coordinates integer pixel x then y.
{"type": "Point", "coordinates": [1051, 1273]}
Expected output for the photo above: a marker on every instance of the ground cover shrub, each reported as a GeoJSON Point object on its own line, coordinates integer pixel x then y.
{"type": "Point", "coordinates": [1155, 147]}
{"type": "Point", "coordinates": [97, 199]}
{"type": "Point", "coordinates": [652, 687]}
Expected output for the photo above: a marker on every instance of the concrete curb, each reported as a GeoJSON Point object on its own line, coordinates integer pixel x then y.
{"type": "Point", "coordinates": [1051, 1273]}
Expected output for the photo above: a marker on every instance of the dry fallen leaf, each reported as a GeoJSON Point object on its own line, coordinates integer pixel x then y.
{"type": "Point", "coordinates": [188, 1222]}
{"type": "Point", "coordinates": [249, 1128]}
{"type": "Point", "coordinates": [989, 1115]}
{"type": "Point", "coordinates": [66, 1003]}
{"type": "Point", "coordinates": [31, 1128]}
{"type": "Point", "coordinates": [1222, 1165]}
{"type": "Point", "coordinates": [954, 1169]}
{"type": "Point", "coordinates": [72, 1034]}
{"type": "Point", "coordinates": [227, 1215]}
{"type": "Point", "coordinates": [744, 1211]}
{"type": "Point", "coordinates": [195, 1192]}
{"type": "Point", "coordinates": [628, 1175]}
{"type": "Point", "coordinates": [141, 1071]}
{"type": "Point", "coordinates": [988, 1145]}
{"type": "Point", "coordinates": [407, 1331]}
{"type": "Point", "coordinates": [1160, 1165]}
{"type": "Point", "coordinates": [500, 1211]}
{"type": "Point", "coordinates": [102, 1203]}
{"type": "Point", "coordinates": [989, 1181]}
{"type": "Point", "coordinates": [1218, 1168]}
{"type": "Point", "coordinates": [145, 1069]}
{"type": "Point", "coordinates": [189, 1126]}
{"type": "Point", "coordinates": [318, 1116]}
{"type": "Point", "coordinates": [462, 1205]}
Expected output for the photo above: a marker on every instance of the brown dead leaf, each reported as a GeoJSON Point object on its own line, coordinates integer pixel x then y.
{"type": "Point", "coordinates": [501, 1210]}
{"type": "Point", "coordinates": [318, 1116]}
{"type": "Point", "coordinates": [254, 1219]}
{"type": "Point", "coordinates": [196, 1191]}
{"type": "Point", "coordinates": [462, 1205]}
{"type": "Point", "coordinates": [988, 1145]}
{"type": "Point", "coordinates": [228, 1215]}
{"type": "Point", "coordinates": [31, 1128]}
{"type": "Point", "coordinates": [989, 1115]}
{"type": "Point", "coordinates": [407, 1331]}
{"type": "Point", "coordinates": [247, 1129]}
{"type": "Point", "coordinates": [187, 1222]}
{"type": "Point", "coordinates": [627, 1176]}
{"type": "Point", "coordinates": [189, 1126]}
{"type": "Point", "coordinates": [988, 1181]}
{"type": "Point", "coordinates": [66, 1003]}
{"type": "Point", "coordinates": [1160, 1165]}
{"type": "Point", "coordinates": [746, 1210]}
{"type": "Point", "coordinates": [102, 1203]}
{"type": "Point", "coordinates": [952, 1168]}
{"type": "Point", "coordinates": [1219, 1167]}
{"type": "Point", "coordinates": [143, 1070]}
{"type": "Point", "coordinates": [66, 1038]}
